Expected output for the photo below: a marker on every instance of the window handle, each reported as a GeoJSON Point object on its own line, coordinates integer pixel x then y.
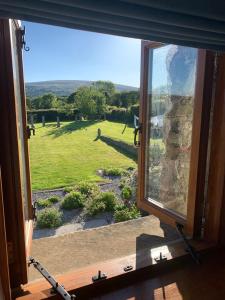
{"type": "Point", "coordinates": [136, 131]}
{"type": "Point", "coordinates": [29, 130]}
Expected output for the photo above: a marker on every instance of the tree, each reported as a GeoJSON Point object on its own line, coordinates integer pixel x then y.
{"type": "Point", "coordinates": [90, 101]}
{"type": "Point", "coordinates": [72, 98]}
{"type": "Point", "coordinates": [125, 99]}
{"type": "Point", "coordinates": [28, 102]}
{"type": "Point", "coordinates": [107, 88]}
{"type": "Point", "coordinates": [46, 101]}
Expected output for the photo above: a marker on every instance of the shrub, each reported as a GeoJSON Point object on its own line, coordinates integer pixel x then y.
{"type": "Point", "coordinates": [49, 218]}
{"type": "Point", "coordinates": [73, 200]}
{"type": "Point", "coordinates": [53, 199]}
{"type": "Point", "coordinates": [106, 201]}
{"type": "Point", "coordinates": [68, 189]}
{"type": "Point", "coordinates": [126, 192]}
{"type": "Point", "coordinates": [124, 213]}
{"type": "Point", "coordinates": [87, 188]}
{"type": "Point", "coordinates": [42, 203]}
{"type": "Point", "coordinates": [113, 172]}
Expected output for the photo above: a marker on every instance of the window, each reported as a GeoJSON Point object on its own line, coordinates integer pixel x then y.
{"type": "Point", "coordinates": [170, 132]}
{"type": "Point", "coordinates": [170, 118]}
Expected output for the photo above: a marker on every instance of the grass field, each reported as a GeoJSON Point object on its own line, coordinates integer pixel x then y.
{"type": "Point", "coordinates": [63, 156]}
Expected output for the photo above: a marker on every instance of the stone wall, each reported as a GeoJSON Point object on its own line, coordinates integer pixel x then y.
{"type": "Point", "coordinates": [177, 128]}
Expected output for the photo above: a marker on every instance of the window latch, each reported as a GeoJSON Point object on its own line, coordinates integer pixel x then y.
{"type": "Point", "coordinates": [56, 287]}
{"type": "Point", "coordinates": [34, 209]}
{"type": "Point", "coordinates": [136, 131]}
{"type": "Point", "coordinates": [190, 249]}
{"type": "Point", "coordinates": [29, 130]}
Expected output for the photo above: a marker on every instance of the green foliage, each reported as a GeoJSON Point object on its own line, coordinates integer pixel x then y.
{"type": "Point", "coordinates": [125, 99]}
{"type": "Point", "coordinates": [72, 98]}
{"type": "Point", "coordinates": [46, 101]}
{"type": "Point", "coordinates": [112, 171]}
{"type": "Point", "coordinates": [107, 88]}
{"type": "Point", "coordinates": [87, 188]}
{"type": "Point", "coordinates": [68, 189]}
{"type": "Point", "coordinates": [49, 218]}
{"type": "Point", "coordinates": [90, 101]}
{"type": "Point", "coordinates": [41, 203]}
{"type": "Point", "coordinates": [53, 199]}
{"type": "Point", "coordinates": [73, 200]}
{"type": "Point", "coordinates": [126, 192]}
{"type": "Point", "coordinates": [124, 213]}
{"type": "Point", "coordinates": [104, 202]}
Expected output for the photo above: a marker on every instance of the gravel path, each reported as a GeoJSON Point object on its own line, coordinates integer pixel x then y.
{"type": "Point", "coordinates": [76, 220]}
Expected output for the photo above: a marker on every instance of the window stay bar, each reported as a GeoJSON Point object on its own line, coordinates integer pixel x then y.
{"type": "Point", "coordinates": [190, 249]}
{"type": "Point", "coordinates": [56, 287]}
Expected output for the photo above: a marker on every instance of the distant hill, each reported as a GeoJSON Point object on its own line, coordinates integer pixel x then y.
{"type": "Point", "coordinates": [64, 87]}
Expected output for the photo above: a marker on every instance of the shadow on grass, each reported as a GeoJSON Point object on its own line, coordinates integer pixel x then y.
{"type": "Point", "coordinates": [120, 146]}
{"type": "Point", "coordinates": [71, 127]}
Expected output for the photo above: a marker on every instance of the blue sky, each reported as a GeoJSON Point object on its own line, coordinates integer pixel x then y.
{"type": "Point", "coordinates": [58, 53]}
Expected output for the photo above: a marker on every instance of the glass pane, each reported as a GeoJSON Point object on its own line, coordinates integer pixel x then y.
{"type": "Point", "coordinates": [20, 124]}
{"type": "Point", "coordinates": [171, 88]}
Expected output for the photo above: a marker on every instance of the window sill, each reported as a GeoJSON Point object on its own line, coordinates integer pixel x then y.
{"type": "Point", "coordinates": [80, 282]}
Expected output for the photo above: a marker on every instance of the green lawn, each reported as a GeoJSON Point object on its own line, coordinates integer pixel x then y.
{"type": "Point", "coordinates": [63, 156]}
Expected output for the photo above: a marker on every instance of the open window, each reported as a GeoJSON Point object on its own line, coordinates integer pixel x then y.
{"type": "Point", "coordinates": [172, 82]}
{"type": "Point", "coordinates": [14, 154]}
{"type": "Point", "coordinates": [23, 130]}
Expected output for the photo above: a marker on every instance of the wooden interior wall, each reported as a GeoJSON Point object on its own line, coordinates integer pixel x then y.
{"type": "Point", "coordinates": [215, 195]}
{"type": "Point", "coordinates": [4, 270]}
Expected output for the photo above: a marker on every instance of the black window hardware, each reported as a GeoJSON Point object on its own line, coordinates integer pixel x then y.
{"type": "Point", "coordinates": [56, 287]}
{"type": "Point", "coordinates": [189, 248]}
{"type": "Point", "coordinates": [29, 130]}
{"type": "Point", "coordinates": [99, 276]}
{"type": "Point", "coordinates": [136, 131]}
{"type": "Point", "coordinates": [160, 258]}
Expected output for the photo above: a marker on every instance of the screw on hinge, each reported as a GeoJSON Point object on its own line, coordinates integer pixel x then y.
{"type": "Point", "coordinates": [98, 277]}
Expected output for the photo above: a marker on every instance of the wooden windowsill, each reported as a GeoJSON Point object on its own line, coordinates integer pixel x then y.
{"type": "Point", "coordinates": [80, 281]}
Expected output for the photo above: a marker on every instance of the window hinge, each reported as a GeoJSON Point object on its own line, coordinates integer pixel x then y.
{"type": "Point", "coordinates": [189, 248]}
{"type": "Point", "coordinates": [22, 32]}
{"type": "Point", "coordinates": [56, 287]}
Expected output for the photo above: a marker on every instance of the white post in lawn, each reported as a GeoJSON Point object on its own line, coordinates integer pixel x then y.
{"type": "Point", "coordinates": [58, 122]}
{"type": "Point", "coordinates": [43, 121]}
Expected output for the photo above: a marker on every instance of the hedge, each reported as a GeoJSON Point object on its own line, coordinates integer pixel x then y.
{"type": "Point", "coordinates": [117, 114]}
{"type": "Point", "coordinates": [50, 115]}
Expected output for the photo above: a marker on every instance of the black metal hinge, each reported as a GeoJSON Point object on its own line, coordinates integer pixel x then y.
{"type": "Point", "coordinates": [22, 32]}
{"type": "Point", "coordinates": [189, 248]}
{"type": "Point", "coordinates": [56, 287]}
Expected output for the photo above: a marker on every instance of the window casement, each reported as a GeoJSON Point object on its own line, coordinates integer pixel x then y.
{"type": "Point", "coordinates": [15, 153]}
{"type": "Point", "coordinates": [173, 132]}
{"type": "Point", "coordinates": [175, 103]}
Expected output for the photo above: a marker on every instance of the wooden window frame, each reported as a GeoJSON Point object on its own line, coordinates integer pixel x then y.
{"type": "Point", "coordinates": [18, 231]}
{"type": "Point", "coordinates": [201, 115]}
{"type": "Point", "coordinates": [12, 188]}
